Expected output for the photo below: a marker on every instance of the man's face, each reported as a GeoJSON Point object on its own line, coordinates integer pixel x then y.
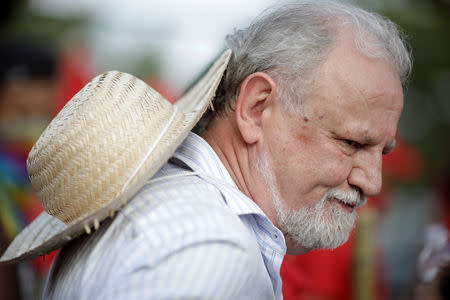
{"type": "Point", "coordinates": [322, 164]}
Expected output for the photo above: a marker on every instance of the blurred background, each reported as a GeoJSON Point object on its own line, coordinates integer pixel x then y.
{"type": "Point", "coordinates": [49, 49]}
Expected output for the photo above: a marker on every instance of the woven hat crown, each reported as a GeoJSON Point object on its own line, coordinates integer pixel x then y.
{"type": "Point", "coordinates": [90, 151]}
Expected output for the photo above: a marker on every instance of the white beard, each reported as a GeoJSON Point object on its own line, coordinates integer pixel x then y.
{"type": "Point", "coordinates": [323, 225]}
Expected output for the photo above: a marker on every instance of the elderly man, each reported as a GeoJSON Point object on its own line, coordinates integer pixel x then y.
{"type": "Point", "coordinates": [308, 105]}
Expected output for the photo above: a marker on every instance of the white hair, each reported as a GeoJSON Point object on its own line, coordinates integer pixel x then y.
{"type": "Point", "coordinates": [290, 41]}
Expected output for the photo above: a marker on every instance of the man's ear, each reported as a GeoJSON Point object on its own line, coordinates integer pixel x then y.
{"type": "Point", "coordinates": [254, 96]}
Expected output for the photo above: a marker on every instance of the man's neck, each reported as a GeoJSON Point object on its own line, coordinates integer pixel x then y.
{"type": "Point", "coordinates": [225, 140]}
{"type": "Point", "coordinates": [239, 158]}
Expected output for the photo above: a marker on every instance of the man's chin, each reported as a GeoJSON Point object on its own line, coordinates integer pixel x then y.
{"type": "Point", "coordinates": [317, 233]}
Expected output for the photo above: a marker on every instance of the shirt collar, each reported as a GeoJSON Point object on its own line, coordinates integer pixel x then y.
{"type": "Point", "coordinates": [197, 154]}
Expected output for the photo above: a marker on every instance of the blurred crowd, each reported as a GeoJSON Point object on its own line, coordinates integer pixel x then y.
{"type": "Point", "coordinates": [26, 106]}
{"type": "Point", "coordinates": [28, 100]}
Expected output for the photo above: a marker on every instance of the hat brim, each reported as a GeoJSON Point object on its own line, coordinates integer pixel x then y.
{"type": "Point", "coordinates": [47, 233]}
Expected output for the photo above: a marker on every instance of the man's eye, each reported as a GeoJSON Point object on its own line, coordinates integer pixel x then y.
{"type": "Point", "coordinates": [352, 143]}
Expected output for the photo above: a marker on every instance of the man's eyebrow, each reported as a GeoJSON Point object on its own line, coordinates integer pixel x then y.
{"type": "Point", "coordinates": [388, 149]}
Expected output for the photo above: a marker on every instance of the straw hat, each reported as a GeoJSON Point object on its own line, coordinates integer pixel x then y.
{"type": "Point", "coordinates": [96, 154]}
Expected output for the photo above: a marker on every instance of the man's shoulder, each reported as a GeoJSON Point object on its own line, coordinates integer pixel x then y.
{"type": "Point", "coordinates": [181, 224]}
{"type": "Point", "coordinates": [173, 216]}
{"type": "Point", "coordinates": [183, 208]}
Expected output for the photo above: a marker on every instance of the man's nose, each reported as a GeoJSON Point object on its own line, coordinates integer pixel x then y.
{"type": "Point", "coordinates": [366, 172]}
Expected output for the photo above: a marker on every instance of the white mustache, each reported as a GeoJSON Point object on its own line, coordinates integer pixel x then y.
{"type": "Point", "coordinates": [352, 197]}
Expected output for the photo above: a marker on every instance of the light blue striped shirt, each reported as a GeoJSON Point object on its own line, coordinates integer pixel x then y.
{"type": "Point", "coordinates": [189, 233]}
